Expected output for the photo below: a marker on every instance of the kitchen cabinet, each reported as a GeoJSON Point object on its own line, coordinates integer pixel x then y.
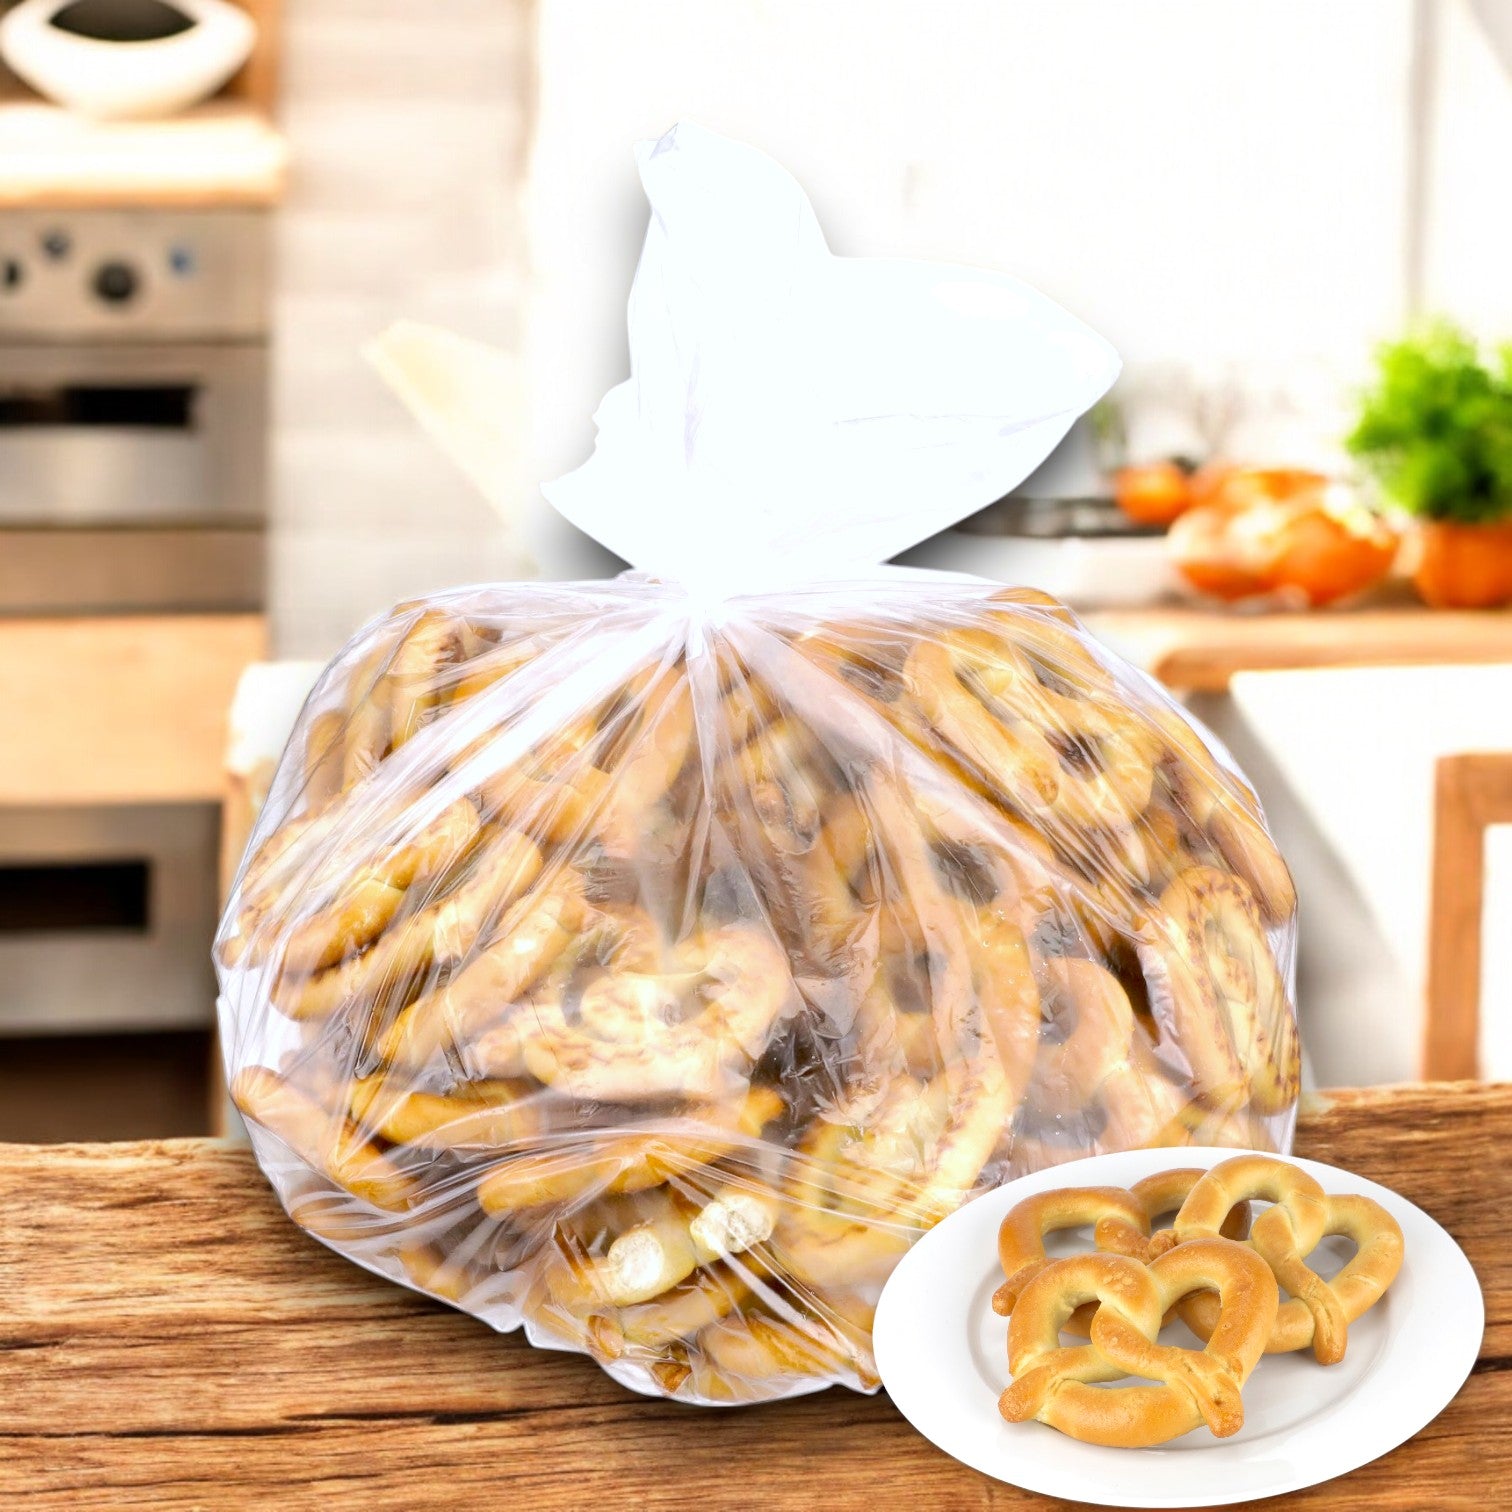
{"type": "Point", "coordinates": [1195, 650]}
{"type": "Point", "coordinates": [226, 153]}
{"type": "Point", "coordinates": [128, 709]}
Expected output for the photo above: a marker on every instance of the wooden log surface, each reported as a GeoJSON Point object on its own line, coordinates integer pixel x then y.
{"type": "Point", "coordinates": [168, 1340]}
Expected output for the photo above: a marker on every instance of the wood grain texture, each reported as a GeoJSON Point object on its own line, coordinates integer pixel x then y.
{"type": "Point", "coordinates": [168, 1340]}
{"type": "Point", "coordinates": [1200, 650]}
{"type": "Point", "coordinates": [1470, 792]}
{"type": "Point", "coordinates": [256, 82]}
{"type": "Point", "coordinates": [120, 710]}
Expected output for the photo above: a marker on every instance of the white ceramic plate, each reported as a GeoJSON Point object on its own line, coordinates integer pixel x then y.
{"type": "Point", "coordinates": [942, 1355]}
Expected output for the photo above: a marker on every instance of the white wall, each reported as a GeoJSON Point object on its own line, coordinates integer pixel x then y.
{"type": "Point", "coordinates": [407, 132]}
{"type": "Point", "coordinates": [1219, 188]}
{"type": "Point", "coordinates": [1468, 205]}
{"type": "Point", "coordinates": [1209, 184]}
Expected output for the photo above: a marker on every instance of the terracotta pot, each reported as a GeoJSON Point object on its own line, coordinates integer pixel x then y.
{"type": "Point", "coordinates": [1464, 566]}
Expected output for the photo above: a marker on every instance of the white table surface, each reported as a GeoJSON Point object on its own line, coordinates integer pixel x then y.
{"type": "Point", "coordinates": [1344, 761]}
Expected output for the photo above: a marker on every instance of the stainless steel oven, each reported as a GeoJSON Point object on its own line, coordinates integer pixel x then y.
{"type": "Point", "coordinates": [133, 410]}
{"type": "Point", "coordinates": [106, 915]}
{"type": "Point", "coordinates": [133, 428]}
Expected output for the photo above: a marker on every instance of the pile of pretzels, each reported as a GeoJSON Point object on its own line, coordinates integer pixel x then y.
{"type": "Point", "coordinates": [656, 980]}
{"type": "Point", "coordinates": [1219, 1273]}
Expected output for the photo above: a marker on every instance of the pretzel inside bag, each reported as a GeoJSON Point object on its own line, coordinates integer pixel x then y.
{"type": "Point", "coordinates": [658, 989]}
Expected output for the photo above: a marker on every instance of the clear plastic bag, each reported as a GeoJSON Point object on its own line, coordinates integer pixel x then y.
{"type": "Point", "coordinates": [660, 1000]}
{"type": "Point", "coordinates": [649, 966]}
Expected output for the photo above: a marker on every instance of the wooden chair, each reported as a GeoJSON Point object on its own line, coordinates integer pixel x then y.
{"type": "Point", "coordinates": [1471, 793]}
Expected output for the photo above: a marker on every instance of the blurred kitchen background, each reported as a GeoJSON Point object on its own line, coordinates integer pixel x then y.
{"type": "Point", "coordinates": [203, 221]}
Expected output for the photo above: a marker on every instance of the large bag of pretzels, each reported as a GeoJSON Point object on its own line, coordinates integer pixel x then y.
{"type": "Point", "coordinates": [650, 961]}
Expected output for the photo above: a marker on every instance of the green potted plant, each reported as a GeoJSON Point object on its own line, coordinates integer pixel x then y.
{"type": "Point", "coordinates": [1435, 431]}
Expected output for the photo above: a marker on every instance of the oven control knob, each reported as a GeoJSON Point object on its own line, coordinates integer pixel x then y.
{"type": "Point", "coordinates": [116, 282]}
{"type": "Point", "coordinates": [11, 273]}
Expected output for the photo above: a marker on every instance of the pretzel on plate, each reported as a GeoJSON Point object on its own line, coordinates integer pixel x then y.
{"type": "Point", "coordinates": [1318, 1312]}
{"type": "Point", "coordinates": [1060, 1385]}
{"type": "Point", "coordinates": [1122, 1223]}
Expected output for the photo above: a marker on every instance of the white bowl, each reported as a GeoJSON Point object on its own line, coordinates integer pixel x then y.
{"type": "Point", "coordinates": [1088, 572]}
{"type": "Point", "coordinates": [127, 80]}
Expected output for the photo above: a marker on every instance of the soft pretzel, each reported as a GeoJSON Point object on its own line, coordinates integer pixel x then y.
{"type": "Point", "coordinates": [1319, 1312]}
{"type": "Point", "coordinates": [695, 1029]}
{"type": "Point", "coordinates": [556, 810]}
{"type": "Point", "coordinates": [1108, 773]}
{"type": "Point", "coordinates": [754, 1350]}
{"type": "Point", "coordinates": [366, 740]}
{"type": "Point", "coordinates": [367, 900]}
{"type": "Point", "coordinates": [832, 924]}
{"type": "Point", "coordinates": [437, 936]}
{"type": "Point", "coordinates": [863, 1185]}
{"type": "Point", "coordinates": [575, 1166]}
{"type": "Point", "coordinates": [1058, 1384]}
{"type": "Point", "coordinates": [485, 1114]}
{"type": "Point", "coordinates": [414, 681]}
{"type": "Point", "coordinates": [530, 938]}
{"type": "Point", "coordinates": [653, 1256]}
{"type": "Point", "coordinates": [656, 754]}
{"type": "Point", "coordinates": [1039, 668]}
{"type": "Point", "coordinates": [979, 981]}
{"type": "Point", "coordinates": [1002, 746]}
{"type": "Point", "coordinates": [1358, 1286]}
{"type": "Point", "coordinates": [989, 993]}
{"type": "Point", "coordinates": [775, 774]}
{"type": "Point", "coordinates": [576, 1282]}
{"type": "Point", "coordinates": [1209, 958]}
{"type": "Point", "coordinates": [1218, 802]}
{"type": "Point", "coordinates": [329, 1142]}
{"type": "Point", "coordinates": [1105, 1058]}
{"type": "Point", "coordinates": [1121, 1223]}
{"type": "Point", "coordinates": [680, 1313]}
{"type": "Point", "coordinates": [1119, 1227]}
{"type": "Point", "coordinates": [435, 1273]}
{"type": "Point", "coordinates": [649, 1329]}
{"type": "Point", "coordinates": [1165, 1191]}
{"type": "Point", "coordinates": [321, 759]}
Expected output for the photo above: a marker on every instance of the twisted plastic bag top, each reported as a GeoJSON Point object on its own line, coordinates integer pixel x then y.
{"type": "Point", "coordinates": [795, 415]}
{"type": "Point", "coordinates": [651, 971]}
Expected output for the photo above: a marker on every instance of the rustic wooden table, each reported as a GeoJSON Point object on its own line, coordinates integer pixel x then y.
{"type": "Point", "coordinates": [168, 1340]}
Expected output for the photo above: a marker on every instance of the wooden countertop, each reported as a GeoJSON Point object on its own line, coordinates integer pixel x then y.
{"type": "Point", "coordinates": [169, 1340]}
{"type": "Point", "coordinates": [223, 154]}
{"type": "Point", "coordinates": [120, 709]}
{"type": "Point", "coordinates": [1199, 650]}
